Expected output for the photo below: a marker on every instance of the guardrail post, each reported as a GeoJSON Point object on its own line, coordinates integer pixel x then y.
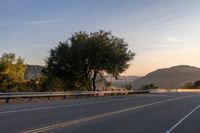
{"type": "Point", "coordinates": [7, 100]}
{"type": "Point", "coordinates": [30, 99]}
{"type": "Point", "coordinates": [49, 98]}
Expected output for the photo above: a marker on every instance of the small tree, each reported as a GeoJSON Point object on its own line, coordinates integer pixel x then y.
{"type": "Point", "coordinates": [12, 71]}
{"type": "Point", "coordinates": [78, 61]}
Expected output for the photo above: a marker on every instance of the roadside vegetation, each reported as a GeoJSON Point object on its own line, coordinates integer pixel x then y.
{"type": "Point", "coordinates": [148, 86]}
{"type": "Point", "coordinates": [12, 71]}
{"type": "Point", "coordinates": [76, 64]}
{"type": "Point", "coordinates": [191, 85]}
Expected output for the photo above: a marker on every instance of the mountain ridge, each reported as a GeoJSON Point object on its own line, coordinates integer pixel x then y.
{"type": "Point", "coordinates": [32, 71]}
{"type": "Point", "coordinates": [173, 77]}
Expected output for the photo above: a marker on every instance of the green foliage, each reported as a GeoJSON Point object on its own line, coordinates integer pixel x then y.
{"type": "Point", "coordinates": [12, 73]}
{"type": "Point", "coordinates": [76, 64]}
{"type": "Point", "coordinates": [78, 61]}
{"type": "Point", "coordinates": [48, 84]}
{"type": "Point", "coordinates": [148, 86]}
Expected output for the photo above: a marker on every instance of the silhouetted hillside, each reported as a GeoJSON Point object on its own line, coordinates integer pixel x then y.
{"type": "Point", "coordinates": [32, 71]}
{"type": "Point", "coordinates": [172, 77]}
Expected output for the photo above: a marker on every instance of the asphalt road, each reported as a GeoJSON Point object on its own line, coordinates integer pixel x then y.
{"type": "Point", "coordinates": [145, 113]}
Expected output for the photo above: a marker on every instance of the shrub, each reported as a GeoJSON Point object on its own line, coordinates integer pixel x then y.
{"type": "Point", "coordinates": [188, 85]}
{"type": "Point", "coordinates": [148, 86]}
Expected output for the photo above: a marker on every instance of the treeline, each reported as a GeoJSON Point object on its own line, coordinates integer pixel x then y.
{"type": "Point", "coordinates": [12, 77]}
{"type": "Point", "coordinates": [192, 85]}
{"type": "Point", "coordinates": [76, 64]}
{"type": "Point", "coordinates": [187, 85]}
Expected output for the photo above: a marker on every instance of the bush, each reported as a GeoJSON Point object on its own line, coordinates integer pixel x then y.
{"type": "Point", "coordinates": [148, 86]}
{"type": "Point", "coordinates": [3, 90]}
{"type": "Point", "coordinates": [51, 84]}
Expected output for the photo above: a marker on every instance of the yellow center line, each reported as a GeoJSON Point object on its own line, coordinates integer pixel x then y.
{"type": "Point", "coordinates": [69, 123]}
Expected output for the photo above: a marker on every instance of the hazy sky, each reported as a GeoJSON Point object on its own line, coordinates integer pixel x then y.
{"type": "Point", "coordinates": [162, 33]}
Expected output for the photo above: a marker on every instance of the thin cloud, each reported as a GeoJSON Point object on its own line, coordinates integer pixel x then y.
{"type": "Point", "coordinates": [166, 22]}
{"type": "Point", "coordinates": [172, 40]}
{"type": "Point", "coordinates": [34, 22]}
{"type": "Point", "coordinates": [39, 22]}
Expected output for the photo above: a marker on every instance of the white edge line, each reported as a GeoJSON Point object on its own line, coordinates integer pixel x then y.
{"type": "Point", "coordinates": [185, 117]}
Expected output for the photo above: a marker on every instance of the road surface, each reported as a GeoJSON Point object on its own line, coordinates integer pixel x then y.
{"type": "Point", "coordinates": [145, 113]}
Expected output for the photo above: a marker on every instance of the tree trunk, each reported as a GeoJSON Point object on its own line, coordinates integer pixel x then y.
{"type": "Point", "coordinates": [88, 80]}
{"type": "Point", "coordinates": [94, 81]}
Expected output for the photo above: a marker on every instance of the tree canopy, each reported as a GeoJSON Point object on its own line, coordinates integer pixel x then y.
{"type": "Point", "coordinates": [85, 57]}
{"type": "Point", "coordinates": [12, 71]}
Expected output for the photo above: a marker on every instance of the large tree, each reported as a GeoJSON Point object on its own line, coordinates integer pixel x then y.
{"type": "Point", "coordinates": [84, 57]}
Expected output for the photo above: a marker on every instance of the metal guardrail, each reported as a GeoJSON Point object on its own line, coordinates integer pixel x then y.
{"type": "Point", "coordinates": [76, 94]}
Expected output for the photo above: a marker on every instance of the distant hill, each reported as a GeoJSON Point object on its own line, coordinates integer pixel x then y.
{"type": "Point", "coordinates": [172, 77]}
{"type": "Point", "coordinates": [32, 71]}
{"type": "Point", "coordinates": [122, 80]}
